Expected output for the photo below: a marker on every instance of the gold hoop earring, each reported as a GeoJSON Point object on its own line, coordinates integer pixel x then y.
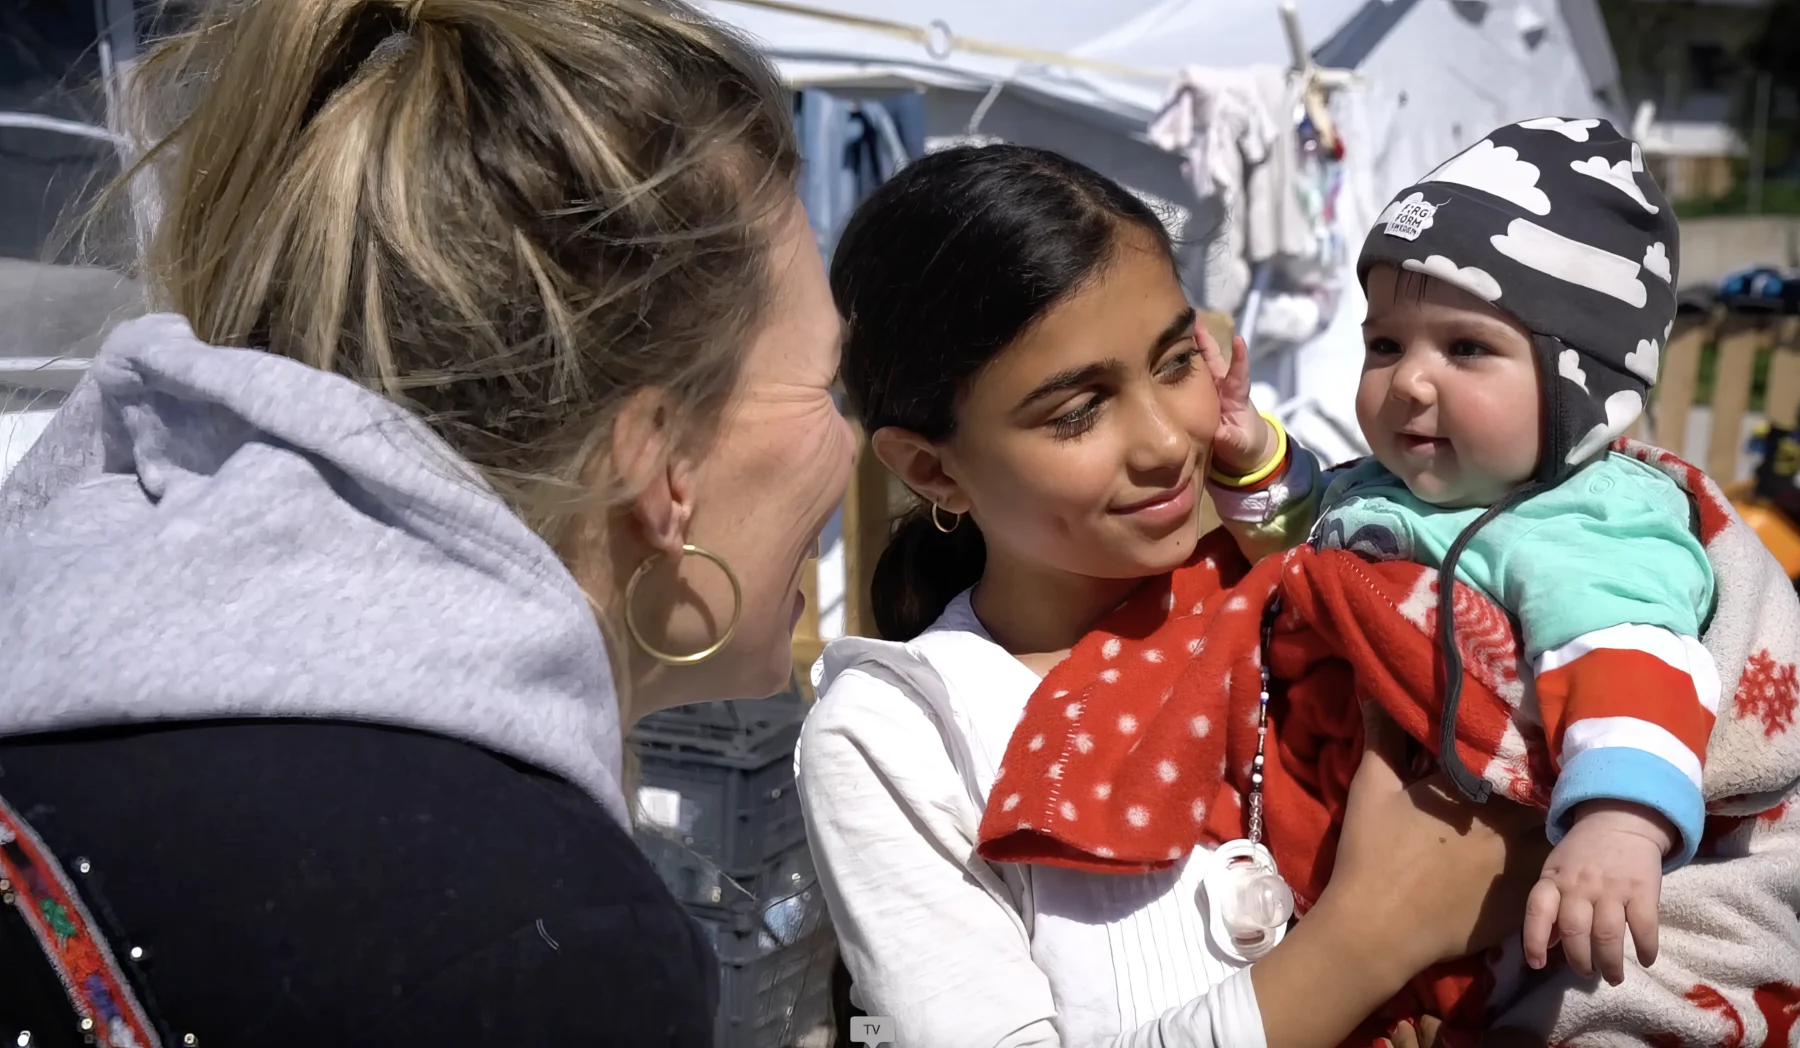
{"type": "Point", "coordinates": [938, 524]}
{"type": "Point", "coordinates": [637, 636]}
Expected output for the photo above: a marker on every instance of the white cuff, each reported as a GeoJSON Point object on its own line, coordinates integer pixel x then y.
{"type": "Point", "coordinates": [1257, 507]}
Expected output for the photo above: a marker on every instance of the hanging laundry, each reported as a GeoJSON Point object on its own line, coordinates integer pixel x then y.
{"type": "Point", "coordinates": [1238, 134]}
{"type": "Point", "coordinates": [848, 146]}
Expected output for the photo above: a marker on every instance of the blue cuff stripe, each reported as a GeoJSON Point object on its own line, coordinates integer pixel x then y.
{"type": "Point", "coordinates": [1622, 773]}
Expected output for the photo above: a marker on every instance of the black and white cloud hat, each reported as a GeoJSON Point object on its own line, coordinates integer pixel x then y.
{"type": "Point", "coordinates": [1556, 222]}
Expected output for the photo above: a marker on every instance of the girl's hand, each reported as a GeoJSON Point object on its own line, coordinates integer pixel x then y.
{"type": "Point", "coordinates": [1433, 876]}
{"type": "Point", "coordinates": [1421, 876]}
{"type": "Point", "coordinates": [1425, 1035]}
{"type": "Point", "coordinates": [1244, 439]}
{"type": "Point", "coordinates": [1430, 1033]}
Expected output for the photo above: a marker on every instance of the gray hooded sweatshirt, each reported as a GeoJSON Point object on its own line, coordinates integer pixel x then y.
{"type": "Point", "coordinates": [210, 533]}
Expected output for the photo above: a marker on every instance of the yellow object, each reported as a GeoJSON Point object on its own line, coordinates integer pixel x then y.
{"type": "Point", "coordinates": [1786, 456]}
{"type": "Point", "coordinates": [1776, 531]}
{"type": "Point", "coordinates": [1261, 472]}
{"type": "Point", "coordinates": [737, 609]}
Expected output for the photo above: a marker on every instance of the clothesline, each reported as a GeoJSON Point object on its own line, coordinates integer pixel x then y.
{"type": "Point", "coordinates": [940, 41]}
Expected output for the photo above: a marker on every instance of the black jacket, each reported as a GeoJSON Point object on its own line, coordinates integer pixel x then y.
{"type": "Point", "coordinates": [313, 883]}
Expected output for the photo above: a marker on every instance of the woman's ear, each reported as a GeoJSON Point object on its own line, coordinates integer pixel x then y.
{"type": "Point", "coordinates": [660, 480]}
{"type": "Point", "coordinates": [920, 466]}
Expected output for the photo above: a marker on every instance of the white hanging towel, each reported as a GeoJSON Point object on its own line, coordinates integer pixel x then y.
{"type": "Point", "coordinates": [1237, 132]}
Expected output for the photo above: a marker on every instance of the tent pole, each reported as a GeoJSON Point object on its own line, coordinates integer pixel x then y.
{"type": "Point", "coordinates": [118, 52]}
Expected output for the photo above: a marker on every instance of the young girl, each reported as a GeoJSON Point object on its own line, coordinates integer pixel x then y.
{"type": "Point", "coordinates": [1020, 348]}
{"type": "Point", "coordinates": [1519, 297]}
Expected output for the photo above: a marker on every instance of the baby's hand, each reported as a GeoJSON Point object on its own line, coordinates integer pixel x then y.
{"type": "Point", "coordinates": [1244, 440]}
{"type": "Point", "coordinates": [1604, 876]}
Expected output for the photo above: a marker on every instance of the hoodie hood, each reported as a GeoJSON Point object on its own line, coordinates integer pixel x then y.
{"type": "Point", "coordinates": [213, 533]}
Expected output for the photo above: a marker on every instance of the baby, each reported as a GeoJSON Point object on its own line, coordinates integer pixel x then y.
{"type": "Point", "coordinates": [1519, 297]}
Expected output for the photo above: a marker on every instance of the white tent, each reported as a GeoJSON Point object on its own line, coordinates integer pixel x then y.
{"type": "Point", "coordinates": [1085, 77]}
{"type": "Point", "coordinates": [52, 320]}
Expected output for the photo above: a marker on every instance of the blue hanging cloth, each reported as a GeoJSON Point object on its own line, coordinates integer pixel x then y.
{"type": "Point", "coordinates": [848, 146]}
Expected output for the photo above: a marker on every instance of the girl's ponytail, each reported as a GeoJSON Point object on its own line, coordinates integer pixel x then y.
{"type": "Point", "coordinates": [921, 571]}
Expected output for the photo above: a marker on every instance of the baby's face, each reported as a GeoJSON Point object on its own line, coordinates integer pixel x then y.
{"type": "Point", "coordinates": [1449, 393]}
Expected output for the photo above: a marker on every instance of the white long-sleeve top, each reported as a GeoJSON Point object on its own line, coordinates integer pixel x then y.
{"type": "Point", "coordinates": [894, 765]}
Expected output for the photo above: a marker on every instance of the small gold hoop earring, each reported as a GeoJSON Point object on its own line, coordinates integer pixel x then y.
{"type": "Point", "coordinates": [938, 524]}
{"type": "Point", "coordinates": [637, 635]}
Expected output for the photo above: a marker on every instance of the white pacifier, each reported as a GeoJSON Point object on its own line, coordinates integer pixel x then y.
{"type": "Point", "coordinates": [1247, 904]}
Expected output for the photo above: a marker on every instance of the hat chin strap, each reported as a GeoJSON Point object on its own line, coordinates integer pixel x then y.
{"type": "Point", "coordinates": [1467, 782]}
{"type": "Point", "coordinates": [1555, 419]}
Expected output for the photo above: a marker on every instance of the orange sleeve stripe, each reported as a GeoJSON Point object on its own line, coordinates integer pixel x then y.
{"type": "Point", "coordinates": [1614, 682]}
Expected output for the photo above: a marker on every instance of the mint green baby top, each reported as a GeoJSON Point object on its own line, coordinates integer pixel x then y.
{"type": "Point", "coordinates": [1612, 544]}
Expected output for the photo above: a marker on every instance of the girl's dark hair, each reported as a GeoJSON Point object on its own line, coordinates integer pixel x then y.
{"type": "Point", "coordinates": [944, 266]}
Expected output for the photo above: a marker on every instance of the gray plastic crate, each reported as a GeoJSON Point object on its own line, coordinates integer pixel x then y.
{"type": "Point", "coordinates": [719, 818]}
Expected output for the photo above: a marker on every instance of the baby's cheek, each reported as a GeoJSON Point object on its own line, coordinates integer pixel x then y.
{"type": "Point", "coordinates": [1517, 417]}
{"type": "Point", "coordinates": [1504, 441]}
{"type": "Point", "coordinates": [1522, 453]}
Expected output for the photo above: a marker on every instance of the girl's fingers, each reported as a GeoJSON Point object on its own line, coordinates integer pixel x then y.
{"type": "Point", "coordinates": [1384, 745]}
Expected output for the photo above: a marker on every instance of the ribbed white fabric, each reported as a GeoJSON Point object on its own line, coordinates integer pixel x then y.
{"type": "Point", "coordinates": [1148, 929]}
{"type": "Point", "coordinates": [1127, 958]}
{"type": "Point", "coordinates": [1159, 946]}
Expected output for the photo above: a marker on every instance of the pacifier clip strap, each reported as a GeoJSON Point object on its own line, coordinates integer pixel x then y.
{"type": "Point", "coordinates": [1255, 820]}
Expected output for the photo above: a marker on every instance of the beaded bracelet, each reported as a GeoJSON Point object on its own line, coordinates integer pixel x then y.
{"type": "Point", "coordinates": [1262, 472]}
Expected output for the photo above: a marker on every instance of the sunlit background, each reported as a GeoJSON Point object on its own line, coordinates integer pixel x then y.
{"type": "Point", "coordinates": [1266, 137]}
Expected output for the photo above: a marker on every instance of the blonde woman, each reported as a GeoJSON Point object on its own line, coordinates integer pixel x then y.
{"type": "Point", "coordinates": [489, 413]}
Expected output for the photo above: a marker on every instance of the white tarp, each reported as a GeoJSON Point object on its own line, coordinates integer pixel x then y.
{"type": "Point", "coordinates": [1432, 76]}
{"type": "Point", "coordinates": [1470, 62]}
{"type": "Point", "coordinates": [1155, 37]}
{"type": "Point", "coordinates": [52, 319]}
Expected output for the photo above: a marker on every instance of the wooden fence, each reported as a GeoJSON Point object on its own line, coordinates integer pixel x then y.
{"type": "Point", "coordinates": [1737, 366]}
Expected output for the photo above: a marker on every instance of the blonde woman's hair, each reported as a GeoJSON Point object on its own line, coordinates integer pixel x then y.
{"type": "Point", "coordinates": [507, 215]}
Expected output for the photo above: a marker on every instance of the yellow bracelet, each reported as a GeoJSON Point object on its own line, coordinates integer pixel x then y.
{"type": "Point", "coordinates": [1261, 472]}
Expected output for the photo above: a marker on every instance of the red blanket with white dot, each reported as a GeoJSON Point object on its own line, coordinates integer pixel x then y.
{"type": "Point", "coordinates": [1138, 747]}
